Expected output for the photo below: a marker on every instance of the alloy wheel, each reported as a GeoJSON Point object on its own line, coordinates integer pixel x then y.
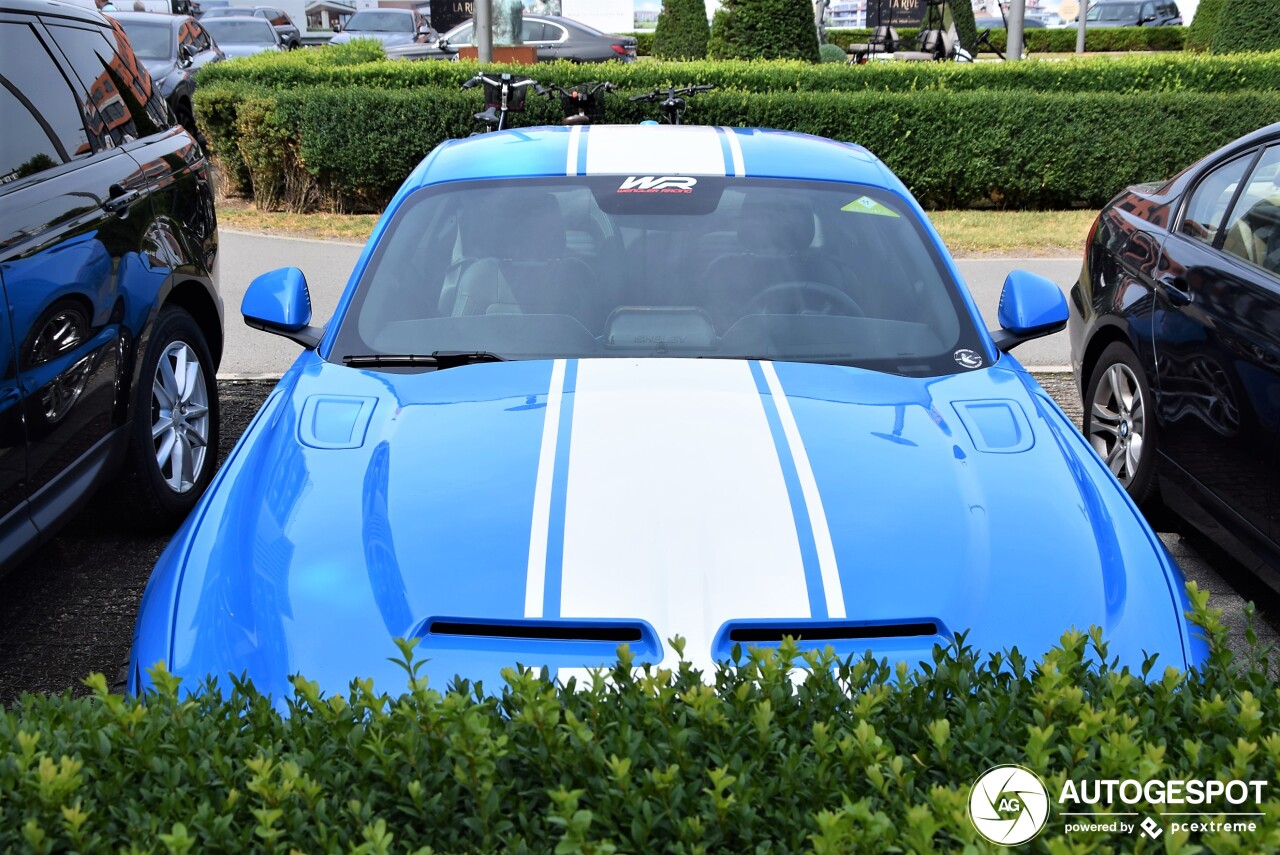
{"type": "Point", "coordinates": [1117, 421]}
{"type": "Point", "coordinates": [180, 416]}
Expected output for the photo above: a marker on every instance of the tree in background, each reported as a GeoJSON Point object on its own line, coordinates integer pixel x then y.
{"type": "Point", "coordinates": [764, 29]}
{"type": "Point", "coordinates": [682, 31]}
{"type": "Point", "coordinates": [961, 14]}
{"type": "Point", "coordinates": [1245, 25]}
{"type": "Point", "coordinates": [1204, 25]}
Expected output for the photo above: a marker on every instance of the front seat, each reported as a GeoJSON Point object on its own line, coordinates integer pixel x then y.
{"type": "Point", "coordinates": [515, 261]}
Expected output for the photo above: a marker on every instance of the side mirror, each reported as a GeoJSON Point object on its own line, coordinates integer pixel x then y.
{"type": "Point", "coordinates": [1030, 307]}
{"type": "Point", "coordinates": [279, 303]}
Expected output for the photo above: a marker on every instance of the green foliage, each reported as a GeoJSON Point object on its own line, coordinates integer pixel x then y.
{"type": "Point", "coordinates": [961, 12]}
{"type": "Point", "coordinates": [857, 756]}
{"type": "Point", "coordinates": [1201, 30]}
{"type": "Point", "coordinates": [1047, 40]}
{"type": "Point", "coordinates": [1247, 25]}
{"type": "Point", "coordinates": [644, 42]}
{"type": "Point", "coordinates": [318, 135]}
{"type": "Point", "coordinates": [831, 53]}
{"type": "Point", "coordinates": [682, 30]}
{"type": "Point", "coordinates": [354, 52]}
{"type": "Point", "coordinates": [764, 29]}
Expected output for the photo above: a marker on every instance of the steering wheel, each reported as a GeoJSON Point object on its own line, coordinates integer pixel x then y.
{"type": "Point", "coordinates": [804, 297]}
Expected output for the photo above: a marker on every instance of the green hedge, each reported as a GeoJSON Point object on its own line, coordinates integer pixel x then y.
{"type": "Point", "coordinates": [349, 148]}
{"type": "Point", "coordinates": [1045, 40]}
{"type": "Point", "coordinates": [1202, 28]}
{"type": "Point", "coordinates": [1137, 74]}
{"type": "Point", "coordinates": [860, 757]}
{"type": "Point", "coordinates": [764, 29]}
{"type": "Point", "coordinates": [682, 30]}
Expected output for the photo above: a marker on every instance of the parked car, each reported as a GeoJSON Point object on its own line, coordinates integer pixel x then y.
{"type": "Point", "coordinates": [392, 27]}
{"type": "Point", "coordinates": [1000, 23]}
{"type": "Point", "coordinates": [1175, 338]}
{"type": "Point", "coordinates": [173, 48]}
{"type": "Point", "coordinates": [290, 35]}
{"type": "Point", "coordinates": [111, 321]}
{"type": "Point", "coordinates": [555, 38]}
{"type": "Point", "coordinates": [597, 385]}
{"type": "Point", "coordinates": [1133, 13]}
{"type": "Point", "coordinates": [243, 36]}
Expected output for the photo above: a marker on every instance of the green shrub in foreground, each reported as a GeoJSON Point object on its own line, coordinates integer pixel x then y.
{"type": "Point", "coordinates": [859, 757]}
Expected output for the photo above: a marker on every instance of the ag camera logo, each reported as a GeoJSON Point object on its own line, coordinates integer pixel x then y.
{"type": "Point", "coordinates": [1009, 805]}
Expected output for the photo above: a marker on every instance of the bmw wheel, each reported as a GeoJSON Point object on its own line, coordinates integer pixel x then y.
{"type": "Point", "coordinates": [175, 432]}
{"type": "Point", "coordinates": [1119, 421]}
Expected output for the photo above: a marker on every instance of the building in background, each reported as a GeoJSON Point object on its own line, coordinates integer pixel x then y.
{"type": "Point", "coordinates": [846, 14]}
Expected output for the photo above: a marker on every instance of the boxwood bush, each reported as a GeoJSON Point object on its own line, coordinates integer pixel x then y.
{"type": "Point", "coordinates": [348, 148]}
{"type": "Point", "coordinates": [1247, 25]}
{"type": "Point", "coordinates": [1138, 74]}
{"type": "Point", "coordinates": [682, 30]}
{"type": "Point", "coordinates": [859, 756]}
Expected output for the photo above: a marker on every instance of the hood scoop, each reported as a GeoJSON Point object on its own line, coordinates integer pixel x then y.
{"type": "Point", "coordinates": [895, 638]}
{"type": "Point", "coordinates": [579, 637]}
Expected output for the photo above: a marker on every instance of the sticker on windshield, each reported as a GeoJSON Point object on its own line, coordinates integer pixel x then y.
{"type": "Point", "coordinates": [658, 184]}
{"type": "Point", "coordinates": [867, 205]}
{"type": "Point", "coordinates": [967, 358]}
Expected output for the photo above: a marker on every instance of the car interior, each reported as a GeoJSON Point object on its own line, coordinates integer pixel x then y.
{"type": "Point", "coordinates": [584, 267]}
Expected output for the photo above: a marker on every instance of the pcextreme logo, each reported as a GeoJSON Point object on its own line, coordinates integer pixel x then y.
{"type": "Point", "coordinates": [1009, 805]}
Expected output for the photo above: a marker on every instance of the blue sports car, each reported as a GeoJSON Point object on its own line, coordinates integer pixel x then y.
{"type": "Point", "coordinates": [614, 384]}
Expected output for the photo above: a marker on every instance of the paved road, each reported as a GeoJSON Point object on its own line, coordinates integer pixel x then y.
{"type": "Point", "coordinates": [327, 264]}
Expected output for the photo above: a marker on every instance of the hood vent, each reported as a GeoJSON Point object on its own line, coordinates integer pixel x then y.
{"type": "Point", "coordinates": [587, 638]}
{"type": "Point", "coordinates": [905, 639]}
{"type": "Point", "coordinates": [819, 632]}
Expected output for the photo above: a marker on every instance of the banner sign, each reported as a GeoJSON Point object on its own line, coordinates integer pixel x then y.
{"type": "Point", "coordinates": [447, 14]}
{"type": "Point", "coordinates": [895, 13]}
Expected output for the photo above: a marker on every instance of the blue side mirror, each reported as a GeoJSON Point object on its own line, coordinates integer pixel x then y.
{"type": "Point", "coordinates": [1030, 307]}
{"type": "Point", "coordinates": [278, 302]}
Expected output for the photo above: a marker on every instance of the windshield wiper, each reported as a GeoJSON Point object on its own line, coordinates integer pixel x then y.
{"type": "Point", "coordinates": [437, 359]}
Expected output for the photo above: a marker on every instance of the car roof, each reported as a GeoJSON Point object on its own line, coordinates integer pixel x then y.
{"type": "Point", "coordinates": [172, 20]}
{"type": "Point", "coordinates": [52, 7]}
{"type": "Point", "coordinates": [651, 150]}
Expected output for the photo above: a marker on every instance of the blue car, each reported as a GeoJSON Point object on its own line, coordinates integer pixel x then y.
{"type": "Point", "coordinates": [617, 384]}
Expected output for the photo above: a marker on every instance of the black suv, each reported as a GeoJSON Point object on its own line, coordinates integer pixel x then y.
{"type": "Point", "coordinates": [110, 322]}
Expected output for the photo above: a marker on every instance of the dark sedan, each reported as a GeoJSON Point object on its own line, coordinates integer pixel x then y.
{"type": "Point", "coordinates": [173, 48]}
{"type": "Point", "coordinates": [290, 35]}
{"type": "Point", "coordinates": [244, 36]}
{"type": "Point", "coordinates": [1175, 338]}
{"type": "Point", "coordinates": [554, 37]}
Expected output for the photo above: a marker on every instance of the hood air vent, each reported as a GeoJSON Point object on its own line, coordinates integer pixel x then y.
{"type": "Point", "coordinates": [586, 637]}
{"type": "Point", "coordinates": [906, 639]}
{"type": "Point", "coordinates": [812, 632]}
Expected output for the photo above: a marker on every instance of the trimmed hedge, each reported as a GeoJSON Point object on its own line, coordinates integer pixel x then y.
{"type": "Point", "coordinates": [1138, 74]}
{"type": "Point", "coordinates": [1045, 40]}
{"type": "Point", "coordinates": [764, 29]}
{"type": "Point", "coordinates": [1247, 25]}
{"type": "Point", "coordinates": [349, 148]}
{"type": "Point", "coordinates": [859, 757]}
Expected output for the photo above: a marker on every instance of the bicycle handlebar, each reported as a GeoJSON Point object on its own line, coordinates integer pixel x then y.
{"type": "Point", "coordinates": [671, 92]}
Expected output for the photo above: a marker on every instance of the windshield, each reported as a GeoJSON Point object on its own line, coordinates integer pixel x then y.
{"type": "Point", "coordinates": [228, 12]}
{"type": "Point", "coordinates": [380, 22]}
{"type": "Point", "coordinates": [636, 266]}
{"type": "Point", "coordinates": [241, 31]}
{"type": "Point", "coordinates": [150, 40]}
{"type": "Point", "coordinates": [1113, 12]}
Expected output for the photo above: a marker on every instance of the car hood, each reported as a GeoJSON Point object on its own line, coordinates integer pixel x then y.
{"type": "Point", "coordinates": [596, 500]}
{"type": "Point", "coordinates": [387, 39]}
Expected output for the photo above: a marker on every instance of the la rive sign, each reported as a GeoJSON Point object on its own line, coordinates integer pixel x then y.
{"type": "Point", "coordinates": [895, 13]}
{"type": "Point", "coordinates": [447, 14]}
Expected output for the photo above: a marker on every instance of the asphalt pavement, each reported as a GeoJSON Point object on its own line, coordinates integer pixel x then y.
{"type": "Point", "coordinates": [328, 264]}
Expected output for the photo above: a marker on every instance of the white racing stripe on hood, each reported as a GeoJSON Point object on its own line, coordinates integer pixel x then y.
{"type": "Point", "coordinates": [812, 499]}
{"type": "Point", "coordinates": [538, 533]}
{"type": "Point", "coordinates": [676, 508]}
{"type": "Point", "coordinates": [691, 150]}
